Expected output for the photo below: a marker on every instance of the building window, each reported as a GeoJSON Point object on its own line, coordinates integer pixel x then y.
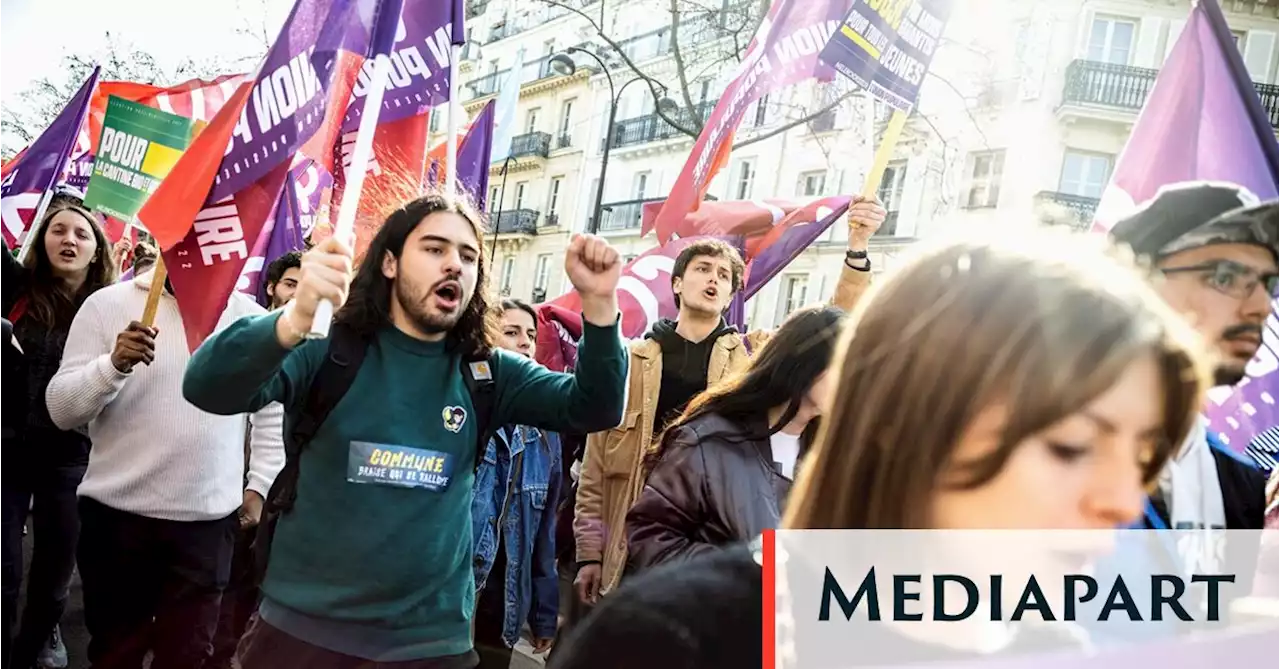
{"type": "Point", "coordinates": [520, 189]}
{"type": "Point", "coordinates": [629, 258]}
{"type": "Point", "coordinates": [762, 110]}
{"type": "Point", "coordinates": [812, 184]}
{"type": "Point", "coordinates": [494, 204]}
{"type": "Point", "coordinates": [795, 288]}
{"type": "Point", "coordinates": [640, 184]}
{"type": "Point", "coordinates": [1111, 39]}
{"type": "Point", "coordinates": [553, 202]}
{"type": "Point", "coordinates": [531, 120]}
{"type": "Point", "coordinates": [566, 123]}
{"type": "Point", "coordinates": [890, 191]}
{"type": "Point", "coordinates": [508, 269]}
{"type": "Point", "coordinates": [542, 272]}
{"type": "Point", "coordinates": [433, 124]}
{"type": "Point", "coordinates": [985, 171]}
{"type": "Point", "coordinates": [1084, 174]}
{"type": "Point", "coordinates": [745, 180]}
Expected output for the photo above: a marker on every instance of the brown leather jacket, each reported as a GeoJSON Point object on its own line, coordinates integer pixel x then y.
{"type": "Point", "coordinates": [612, 476]}
{"type": "Point", "coordinates": [715, 486]}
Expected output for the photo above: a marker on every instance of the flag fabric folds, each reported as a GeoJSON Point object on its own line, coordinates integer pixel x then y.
{"type": "Point", "coordinates": [1203, 121]}
{"type": "Point", "coordinates": [30, 175]}
{"type": "Point", "coordinates": [772, 62]}
{"type": "Point", "coordinates": [218, 197]}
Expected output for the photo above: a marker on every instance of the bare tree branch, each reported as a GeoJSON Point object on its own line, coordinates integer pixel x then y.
{"type": "Point", "coordinates": [793, 123]}
{"type": "Point", "coordinates": [653, 83]}
{"type": "Point", "coordinates": [679, 60]}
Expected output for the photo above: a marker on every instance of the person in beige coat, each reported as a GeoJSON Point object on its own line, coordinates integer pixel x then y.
{"type": "Point", "coordinates": [675, 361]}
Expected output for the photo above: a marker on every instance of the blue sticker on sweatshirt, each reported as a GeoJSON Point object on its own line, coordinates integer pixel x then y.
{"type": "Point", "coordinates": [398, 466]}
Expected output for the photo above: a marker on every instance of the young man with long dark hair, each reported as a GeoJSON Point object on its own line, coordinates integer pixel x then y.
{"type": "Point", "coordinates": [674, 362]}
{"type": "Point", "coordinates": [373, 563]}
{"type": "Point", "coordinates": [725, 467]}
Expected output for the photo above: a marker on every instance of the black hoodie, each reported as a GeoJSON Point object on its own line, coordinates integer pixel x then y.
{"type": "Point", "coordinates": [684, 368]}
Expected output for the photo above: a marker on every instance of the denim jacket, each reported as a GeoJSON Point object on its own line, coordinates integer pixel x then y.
{"type": "Point", "coordinates": [531, 584]}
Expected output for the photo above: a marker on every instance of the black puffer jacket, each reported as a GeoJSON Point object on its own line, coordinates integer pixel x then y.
{"type": "Point", "coordinates": [715, 486]}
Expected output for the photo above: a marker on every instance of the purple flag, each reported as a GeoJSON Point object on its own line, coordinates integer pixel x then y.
{"type": "Point", "coordinates": [288, 104]}
{"type": "Point", "coordinates": [474, 152]}
{"type": "Point", "coordinates": [40, 165]}
{"type": "Point", "coordinates": [1203, 121]}
{"type": "Point", "coordinates": [802, 227]}
{"type": "Point", "coordinates": [419, 62]}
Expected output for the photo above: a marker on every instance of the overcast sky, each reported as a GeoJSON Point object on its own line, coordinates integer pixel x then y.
{"type": "Point", "coordinates": [38, 33]}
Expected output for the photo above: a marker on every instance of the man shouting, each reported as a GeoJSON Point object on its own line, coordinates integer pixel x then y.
{"type": "Point", "coordinates": [373, 561]}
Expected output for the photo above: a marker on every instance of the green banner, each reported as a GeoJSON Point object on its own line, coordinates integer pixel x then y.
{"type": "Point", "coordinates": [138, 147]}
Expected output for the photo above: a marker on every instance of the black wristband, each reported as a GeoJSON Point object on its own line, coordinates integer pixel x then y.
{"type": "Point", "coordinates": [850, 254]}
{"type": "Point", "coordinates": [584, 563]}
{"type": "Point", "coordinates": [851, 257]}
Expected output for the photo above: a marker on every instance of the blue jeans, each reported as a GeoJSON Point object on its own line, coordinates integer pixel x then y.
{"type": "Point", "coordinates": [48, 495]}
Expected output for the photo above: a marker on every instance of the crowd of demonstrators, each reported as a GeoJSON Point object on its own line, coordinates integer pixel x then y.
{"type": "Point", "coordinates": [1068, 383]}
{"type": "Point", "coordinates": [161, 497]}
{"type": "Point", "coordinates": [673, 363]}
{"type": "Point", "coordinates": [513, 521]}
{"type": "Point", "coordinates": [69, 259]}
{"type": "Point", "coordinates": [1214, 248]}
{"type": "Point", "coordinates": [726, 465]}
{"type": "Point", "coordinates": [381, 569]}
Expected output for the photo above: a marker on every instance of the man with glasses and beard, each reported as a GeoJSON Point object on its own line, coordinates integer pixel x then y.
{"type": "Point", "coordinates": [1215, 247]}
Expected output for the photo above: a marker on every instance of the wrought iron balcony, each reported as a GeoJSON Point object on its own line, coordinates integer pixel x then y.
{"type": "Point", "coordinates": [624, 215]}
{"type": "Point", "coordinates": [1125, 87]}
{"type": "Point", "coordinates": [531, 144]}
{"type": "Point", "coordinates": [652, 128]}
{"type": "Point", "coordinates": [534, 70]}
{"type": "Point", "coordinates": [824, 122]}
{"type": "Point", "coordinates": [515, 221]}
{"type": "Point", "coordinates": [564, 141]}
{"type": "Point", "coordinates": [1066, 209]}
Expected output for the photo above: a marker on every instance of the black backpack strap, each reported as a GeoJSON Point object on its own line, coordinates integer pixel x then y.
{"type": "Point", "coordinates": [331, 382]}
{"type": "Point", "coordinates": [477, 374]}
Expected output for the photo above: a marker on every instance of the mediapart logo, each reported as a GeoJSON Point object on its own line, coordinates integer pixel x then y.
{"type": "Point", "coordinates": [1167, 593]}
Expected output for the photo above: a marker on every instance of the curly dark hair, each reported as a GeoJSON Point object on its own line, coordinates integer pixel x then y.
{"type": "Point", "coordinates": [713, 248]}
{"type": "Point", "coordinates": [368, 306]}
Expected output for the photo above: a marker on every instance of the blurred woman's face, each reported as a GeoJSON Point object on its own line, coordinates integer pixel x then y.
{"type": "Point", "coordinates": [69, 243]}
{"type": "Point", "coordinates": [1084, 472]}
{"type": "Point", "coordinates": [519, 332]}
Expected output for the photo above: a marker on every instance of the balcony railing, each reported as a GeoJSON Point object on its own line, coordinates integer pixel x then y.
{"type": "Point", "coordinates": [564, 141]}
{"type": "Point", "coordinates": [1066, 208]}
{"type": "Point", "coordinates": [626, 214]}
{"type": "Point", "coordinates": [531, 144]}
{"type": "Point", "coordinates": [1125, 87]}
{"type": "Point", "coordinates": [652, 128]}
{"type": "Point", "coordinates": [515, 221]}
{"type": "Point", "coordinates": [534, 70]}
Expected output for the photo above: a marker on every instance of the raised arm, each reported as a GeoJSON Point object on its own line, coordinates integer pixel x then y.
{"type": "Point", "coordinates": [663, 524]}
{"type": "Point", "coordinates": [865, 218]}
{"type": "Point", "coordinates": [244, 368]}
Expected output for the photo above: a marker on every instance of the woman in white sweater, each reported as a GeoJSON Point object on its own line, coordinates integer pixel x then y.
{"type": "Point", "coordinates": [159, 500]}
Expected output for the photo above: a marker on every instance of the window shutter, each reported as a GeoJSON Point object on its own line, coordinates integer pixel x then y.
{"type": "Point", "coordinates": [1148, 42]}
{"type": "Point", "coordinates": [912, 190]}
{"type": "Point", "coordinates": [1082, 35]}
{"type": "Point", "coordinates": [1259, 45]}
{"type": "Point", "coordinates": [1175, 31]}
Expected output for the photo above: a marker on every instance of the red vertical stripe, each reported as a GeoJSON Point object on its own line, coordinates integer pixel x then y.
{"type": "Point", "coordinates": [769, 600]}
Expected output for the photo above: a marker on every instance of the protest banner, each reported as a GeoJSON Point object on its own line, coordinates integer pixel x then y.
{"type": "Point", "coordinates": [783, 52]}
{"type": "Point", "coordinates": [137, 148]}
{"type": "Point", "coordinates": [886, 47]}
{"type": "Point", "coordinates": [218, 198]}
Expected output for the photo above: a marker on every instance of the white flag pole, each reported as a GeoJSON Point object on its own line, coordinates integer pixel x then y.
{"type": "Point", "coordinates": [355, 178]}
{"type": "Point", "coordinates": [451, 155]}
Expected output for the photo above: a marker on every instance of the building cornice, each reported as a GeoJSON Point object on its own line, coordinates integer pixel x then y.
{"type": "Point", "coordinates": [534, 88]}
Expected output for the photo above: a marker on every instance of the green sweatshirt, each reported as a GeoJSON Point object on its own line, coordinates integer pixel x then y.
{"type": "Point", "coordinates": [365, 564]}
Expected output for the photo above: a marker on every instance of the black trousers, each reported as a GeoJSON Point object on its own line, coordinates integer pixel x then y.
{"type": "Point", "coordinates": [491, 607]}
{"type": "Point", "coordinates": [48, 495]}
{"type": "Point", "coordinates": [239, 602]}
{"type": "Point", "coordinates": [151, 584]}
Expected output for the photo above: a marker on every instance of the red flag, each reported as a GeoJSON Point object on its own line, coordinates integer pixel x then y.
{"type": "Point", "coordinates": [394, 176]}
{"type": "Point", "coordinates": [773, 61]}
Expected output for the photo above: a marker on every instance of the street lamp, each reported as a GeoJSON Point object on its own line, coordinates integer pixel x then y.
{"type": "Point", "coordinates": [563, 64]}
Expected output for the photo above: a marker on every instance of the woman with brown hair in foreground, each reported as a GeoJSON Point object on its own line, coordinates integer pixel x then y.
{"type": "Point", "coordinates": [1028, 383]}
